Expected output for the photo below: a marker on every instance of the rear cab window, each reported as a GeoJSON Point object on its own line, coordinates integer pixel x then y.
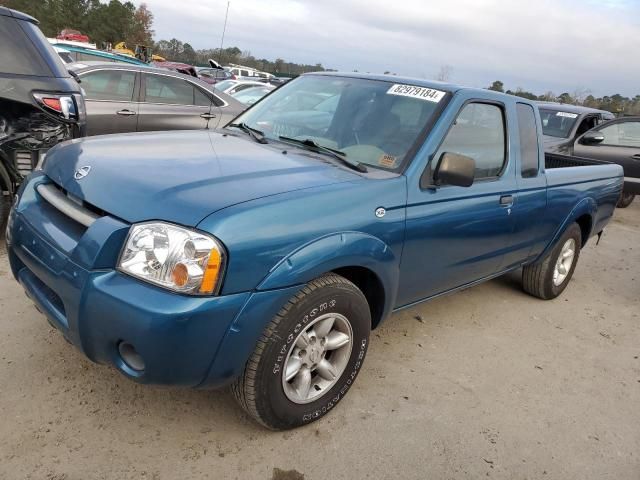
{"type": "Point", "coordinates": [529, 147]}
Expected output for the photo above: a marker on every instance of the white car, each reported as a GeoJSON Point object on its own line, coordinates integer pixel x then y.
{"type": "Point", "coordinates": [231, 87]}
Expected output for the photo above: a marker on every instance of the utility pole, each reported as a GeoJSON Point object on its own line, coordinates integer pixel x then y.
{"type": "Point", "coordinates": [224, 29]}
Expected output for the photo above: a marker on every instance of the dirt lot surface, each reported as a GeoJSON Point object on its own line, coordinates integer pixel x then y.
{"type": "Point", "coordinates": [488, 382]}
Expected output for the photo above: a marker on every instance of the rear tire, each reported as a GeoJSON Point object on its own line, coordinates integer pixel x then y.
{"type": "Point", "coordinates": [547, 278]}
{"type": "Point", "coordinates": [308, 356]}
{"type": "Point", "coordinates": [625, 200]}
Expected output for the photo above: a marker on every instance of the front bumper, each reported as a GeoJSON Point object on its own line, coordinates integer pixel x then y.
{"type": "Point", "coordinates": [183, 340]}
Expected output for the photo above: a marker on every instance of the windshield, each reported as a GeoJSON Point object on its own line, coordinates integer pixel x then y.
{"type": "Point", "coordinates": [223, 85]}
{"type": "Point", "coordinates": [250, 96]}
{"type": "Point", "coordinates": [557, 124]}
{"type": "Point", "coordinates": [372, 122]}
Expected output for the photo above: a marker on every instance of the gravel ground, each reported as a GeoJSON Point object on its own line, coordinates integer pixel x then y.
{"type": "Point", "coordinates": [488, 382]}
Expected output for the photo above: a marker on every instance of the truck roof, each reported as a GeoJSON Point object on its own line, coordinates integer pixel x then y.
{"type": "Point", "coordinates": [421, 82]}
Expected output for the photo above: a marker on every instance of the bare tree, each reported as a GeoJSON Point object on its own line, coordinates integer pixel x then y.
{"type": "Point", "coordinates": [580, 94]}
{"type": "Point", "coordinates": [548, 96]}
{"type": "Point", "coordinates": [445, 73]}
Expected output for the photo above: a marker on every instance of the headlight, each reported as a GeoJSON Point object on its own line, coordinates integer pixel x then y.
{"type": "Point", "coordinates": [173, 257]}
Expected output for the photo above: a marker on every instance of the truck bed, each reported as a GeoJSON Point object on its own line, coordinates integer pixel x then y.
{"type": "Point", "coordinates": [575, 180]}
{"type": "Point", "coordinates": [556, 160]}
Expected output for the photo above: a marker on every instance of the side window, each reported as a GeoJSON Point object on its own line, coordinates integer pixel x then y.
{"type": "Point", "coordinates": [479, 133]}
{"type": "Point", "coordinates": [623, 134]}
{"type": "Point", "coordinates": [201, 98]}
{"type": "Point", "coordinates": [169, 90]}
{"type": "Point", "coordinates": [113, 85]}
{"type": "Point", "coordinates": [529, 154]}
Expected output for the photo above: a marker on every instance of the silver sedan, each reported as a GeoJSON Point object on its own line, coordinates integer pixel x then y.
{"type": "Point", "coordinates": [130, 98]}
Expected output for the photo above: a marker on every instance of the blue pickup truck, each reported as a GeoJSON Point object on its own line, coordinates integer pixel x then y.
{"type": "Point", "coordinates": [262, 255]}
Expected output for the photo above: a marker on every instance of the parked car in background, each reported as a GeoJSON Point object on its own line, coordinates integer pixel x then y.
{"type": "Point", "coordinates": [40, 102]}
{"type": "Point", "coordinates": [247, 73]}
{"type": "Point", "coordinates": [231, 87]}
{"type": "Point", "coordinates": [616, 141]}
{"type": "Point", "coordinates": [73, 35]}
{"type": "Point", "coordinates": [249, 96]}
{"type": "Point", "coordinates": [84, 54]}
{"type": "Point", "coordinates": [64, 54]}
{"type": "Point", "coordinates": [264, 261]}
{"type": "Point", "coordinates": [214, 75]}
{"type": "Point", "coordinates": [129, 98]}
{"type": "Point", "coordinates": [183, 68]}
{"type": "Point", "coordinates": [562, 124]}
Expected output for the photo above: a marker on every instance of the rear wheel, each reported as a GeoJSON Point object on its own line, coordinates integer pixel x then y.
{"type": "Point", "coordinates": [549, 277]}
{"type": "Point", "coordinates": [625, 200]}
{"type": "Point", "coordinates": [308, 356]}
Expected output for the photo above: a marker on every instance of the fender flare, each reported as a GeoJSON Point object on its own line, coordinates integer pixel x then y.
{"type": "Point", "coordinates": [334, 251]}
{"type": "Point", "coordinates": [586, 206]}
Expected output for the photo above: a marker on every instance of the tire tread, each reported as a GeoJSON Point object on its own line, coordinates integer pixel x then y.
{"type": "Point", "coordinates": [244, 386]}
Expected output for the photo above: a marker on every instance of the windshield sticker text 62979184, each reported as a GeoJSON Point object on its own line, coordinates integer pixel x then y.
{"type": "Point", "coordinates": [412, 91]}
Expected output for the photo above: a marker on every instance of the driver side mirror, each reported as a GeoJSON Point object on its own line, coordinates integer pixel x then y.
{"type": "Point", "coordinates": [455, 169]}
{"type": "Point", "coordinates": [591, 138]}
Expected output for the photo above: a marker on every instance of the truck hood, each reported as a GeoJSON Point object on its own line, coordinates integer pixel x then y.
{"type": "Point", "coordinates": [182, 176]}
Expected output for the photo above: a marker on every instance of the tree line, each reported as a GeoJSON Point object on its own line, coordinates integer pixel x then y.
{"type": "Point", "coordinates": [117, 21]}
{"type": "Point", "coordinates": [617, 103]}
{"type": "Point", "coordinates": [113, 22]}
{"type": "Point", "coordinates": [178, 51]}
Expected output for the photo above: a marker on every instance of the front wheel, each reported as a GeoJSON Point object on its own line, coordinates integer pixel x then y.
{"type": "Point", "coordinates": [548, 277]}
{"type": "Point", "coordinates": [625, 200]}
{"type": "Point", "coordinates": [308, 356]}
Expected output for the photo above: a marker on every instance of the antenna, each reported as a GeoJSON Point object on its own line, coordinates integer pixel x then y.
{"type": "Point", "coordinates": [224, 29]}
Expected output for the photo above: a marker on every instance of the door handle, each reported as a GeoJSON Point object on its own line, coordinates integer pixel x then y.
{"type": "Point", "coordinates": [207, 115]}
{"type": "Point", "coordinates": [126, 112]}
{"type": "Point", "coordinates": [506, 200]}
{"type": "Point", "coordinates": [636, 156]}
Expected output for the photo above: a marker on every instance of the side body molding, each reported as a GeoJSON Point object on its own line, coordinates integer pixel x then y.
{"type": "Point", "coordinates": [339, 250]}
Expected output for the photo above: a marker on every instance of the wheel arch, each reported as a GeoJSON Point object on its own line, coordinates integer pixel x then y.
{"type": "Point", "coordinates": [582, 214]}
{"type": "Point", "coordinates": [361, 258]}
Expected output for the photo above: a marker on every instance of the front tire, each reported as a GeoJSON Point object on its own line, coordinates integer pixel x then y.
{"type": "Point", "coordinates": [548, 277]}
{"type": "Point", "coordinates": [625, 200]}
{"type": "Point", "coordinates": [308, 356]}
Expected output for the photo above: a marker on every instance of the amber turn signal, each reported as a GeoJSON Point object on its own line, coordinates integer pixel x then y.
{"type": "Point", "coordinates": [211, 272]}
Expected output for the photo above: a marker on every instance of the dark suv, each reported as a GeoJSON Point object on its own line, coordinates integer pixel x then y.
{"type": "Point", "coordinates": [40, 103]}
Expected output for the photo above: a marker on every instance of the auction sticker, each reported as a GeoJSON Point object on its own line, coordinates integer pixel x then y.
{"type": "Point", "coordinates": [412, 91]}
{"type": "Point", "coordinates": [567, 114]}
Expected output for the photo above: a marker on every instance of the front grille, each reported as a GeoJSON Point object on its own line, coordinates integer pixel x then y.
{"type": "Point", "coordinates": [68, 205]}
{"type": "Point", "coordinates": [25, 161]}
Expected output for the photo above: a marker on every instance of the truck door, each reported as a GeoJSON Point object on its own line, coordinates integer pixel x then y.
{"type": "Point", "coordinates": [529, 232]}
{"type": "Point", "coordinates": [457, 235]}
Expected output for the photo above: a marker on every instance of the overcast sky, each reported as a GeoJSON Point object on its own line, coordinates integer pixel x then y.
{"type": "Point", "coordinates": [539, 45]}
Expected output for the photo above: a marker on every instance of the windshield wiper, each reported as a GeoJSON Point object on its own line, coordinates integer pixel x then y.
{"type": "Point", "coordinates": [312, 144]}
{"type": "Point", "coordinates": [254, 133]}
